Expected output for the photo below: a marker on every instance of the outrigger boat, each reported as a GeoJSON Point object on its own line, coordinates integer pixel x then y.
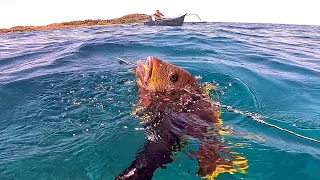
{"type": "Point", "coordinates": [166, 21]}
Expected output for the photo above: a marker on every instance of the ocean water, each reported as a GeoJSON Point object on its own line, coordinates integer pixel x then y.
{"type": "Point", "coordinates": [65, 100]}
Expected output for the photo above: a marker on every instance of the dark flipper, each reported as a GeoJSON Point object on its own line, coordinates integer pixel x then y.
{"type": "Point", "coordinates": [154, 155]}
{"type": "Point", "coordinates": [163, 139]}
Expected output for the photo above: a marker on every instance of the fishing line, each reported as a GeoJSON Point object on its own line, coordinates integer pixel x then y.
{"type": "Point", "coordinates": [257, 118]}
{"type": "Point", "coordinates": [127, 62]}
{"type": "Point", "coordinates": [194, 15]}
{"type": "Point", "coordinates": [253, 116]}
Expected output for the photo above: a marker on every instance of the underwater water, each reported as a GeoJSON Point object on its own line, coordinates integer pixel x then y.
{"type": "Point", "coordinates": [66, 101]}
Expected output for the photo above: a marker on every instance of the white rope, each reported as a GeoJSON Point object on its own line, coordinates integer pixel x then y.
{"type": "Point", "coordinates": [258, 119]}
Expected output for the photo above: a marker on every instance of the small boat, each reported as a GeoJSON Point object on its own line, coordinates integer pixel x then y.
{"type": "Point", "coordinates": [166, 21]}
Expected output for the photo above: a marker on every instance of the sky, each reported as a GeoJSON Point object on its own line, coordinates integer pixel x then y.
{"type": "Point", "coordinates": [43, 12]}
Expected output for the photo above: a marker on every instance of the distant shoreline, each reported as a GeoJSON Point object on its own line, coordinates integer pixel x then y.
{"type": "Point", "coordinates": [130, 18]}
{"type": "Point", "coordinates": [127, 19]}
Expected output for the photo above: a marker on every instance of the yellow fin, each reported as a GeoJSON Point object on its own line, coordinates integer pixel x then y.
{"type": "Point", "coordinates": [241, 162]}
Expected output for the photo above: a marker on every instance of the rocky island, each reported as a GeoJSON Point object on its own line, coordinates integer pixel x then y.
{"type": "Point", "coordinates": [127, 19]}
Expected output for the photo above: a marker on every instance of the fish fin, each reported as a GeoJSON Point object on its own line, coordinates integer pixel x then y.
{"type": "Point", "coordinates": [132, 71]}
{"type": "Point", "coordinates": [239, 165]}
{"type": "Point", "coordinates": [212, 163]}
{"type": "Point", "coordinates": [213, 157]}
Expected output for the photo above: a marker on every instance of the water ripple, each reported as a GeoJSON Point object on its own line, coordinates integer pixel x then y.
{"type": "Point", "coordinates": [66, 101]}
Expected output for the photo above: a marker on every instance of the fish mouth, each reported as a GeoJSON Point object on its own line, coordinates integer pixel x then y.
{"type": "Point", "coordinates": [144, 72]}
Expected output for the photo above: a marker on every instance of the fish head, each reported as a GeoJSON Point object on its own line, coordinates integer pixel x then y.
{"type": "Point", "coordinates": [157, 75]}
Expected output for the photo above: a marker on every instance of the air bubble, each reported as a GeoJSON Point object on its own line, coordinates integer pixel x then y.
{"type": "Point", "coordinates": [198, 77]}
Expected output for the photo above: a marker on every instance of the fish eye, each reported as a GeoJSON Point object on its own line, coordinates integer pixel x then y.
{"type": "Point", "coordinates": [174, 77]}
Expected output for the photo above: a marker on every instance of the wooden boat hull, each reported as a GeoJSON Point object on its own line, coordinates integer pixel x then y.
{"type": "Point", "coordinates": [166, 22]}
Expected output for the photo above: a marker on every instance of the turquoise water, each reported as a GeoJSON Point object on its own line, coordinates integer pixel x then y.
{"type": "Point", "coordinates": [65, 100]}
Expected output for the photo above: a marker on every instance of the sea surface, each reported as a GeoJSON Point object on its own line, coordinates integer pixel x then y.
{"type": "Point", "coordinates": [66, 101]}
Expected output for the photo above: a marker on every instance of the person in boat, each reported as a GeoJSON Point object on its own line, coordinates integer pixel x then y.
{"type": "Point", "coordinates": [158, 15]}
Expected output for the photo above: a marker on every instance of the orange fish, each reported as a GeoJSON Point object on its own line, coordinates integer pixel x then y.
{"type": "Point", "coordinates": [173, 107]}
